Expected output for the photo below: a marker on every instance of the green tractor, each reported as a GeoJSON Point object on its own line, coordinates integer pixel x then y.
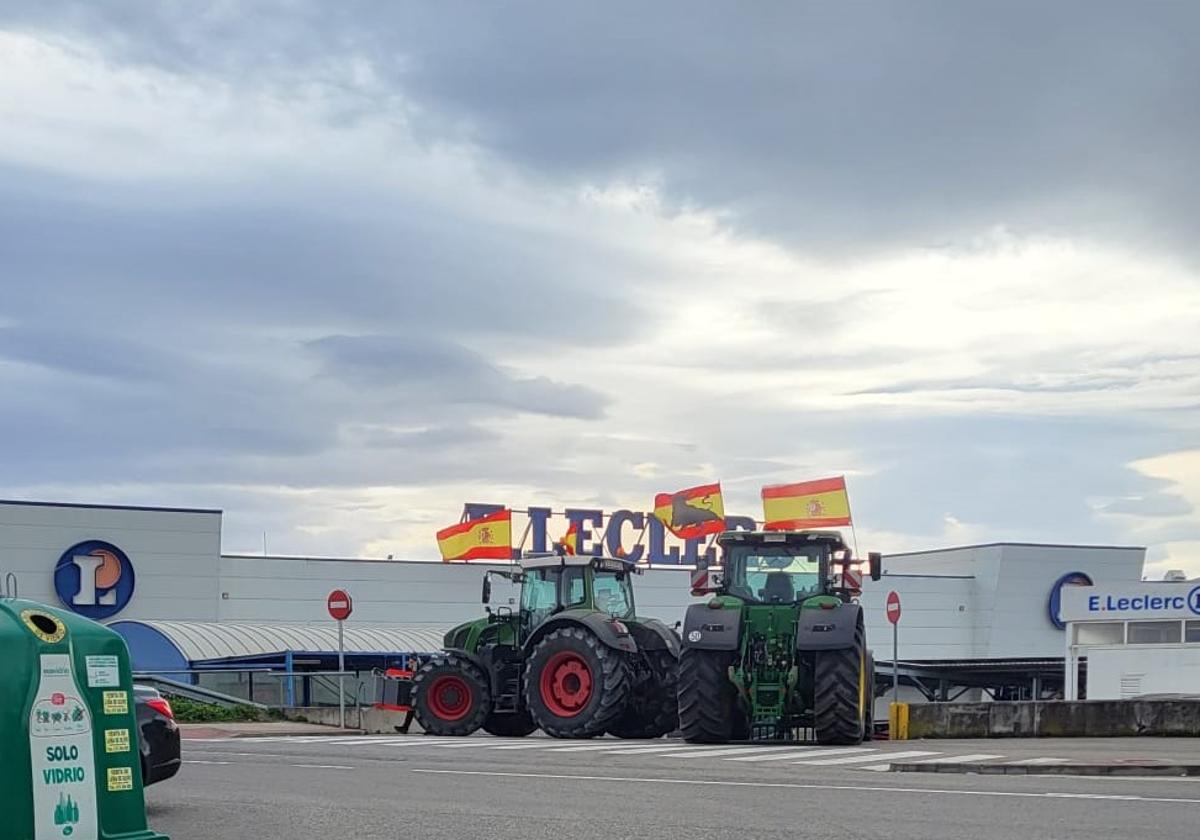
{"type": "Point", "coordinates": [574, 661]}
{"type": "Point", "coordinates": [780, 647]}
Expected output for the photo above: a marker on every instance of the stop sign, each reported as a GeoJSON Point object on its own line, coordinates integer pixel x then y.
{"type": "Point", "coordinates": [893, 607]}
{"type": "Point", "coordinates": [339, 604]}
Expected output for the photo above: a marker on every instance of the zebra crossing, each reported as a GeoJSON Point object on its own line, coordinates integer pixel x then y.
{"type": "Point", "coordinates": [870, 758]}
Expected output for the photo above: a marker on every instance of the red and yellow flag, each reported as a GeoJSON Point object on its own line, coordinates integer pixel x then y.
{"type": "Point", "coordinates": [486, 538]}
{"type": "Point", "coordinates": [809, 504]}
{"type": "Point", "coordinates": [570, 540]}
{"type": "Point", "coordinates": [691, 513]}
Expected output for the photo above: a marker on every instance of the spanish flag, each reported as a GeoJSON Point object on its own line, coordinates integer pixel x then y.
{"type": "Point", "coordinates": [486, 538]}
{"type": "Point", "coordinates": [809, 504]}
{"type": "Point", "coordinates": [695, 512]}
{"type": "Point", "coordinates": [570, 540]}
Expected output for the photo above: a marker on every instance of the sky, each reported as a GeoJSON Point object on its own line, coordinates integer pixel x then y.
{"type": "Point", "coordinates": [338, 268]}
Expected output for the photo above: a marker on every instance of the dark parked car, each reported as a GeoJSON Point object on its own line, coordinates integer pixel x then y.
{"type": "Point", "coordinates": [159, 735]}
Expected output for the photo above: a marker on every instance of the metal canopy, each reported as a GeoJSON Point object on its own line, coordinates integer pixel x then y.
{"type": "Point", "coordinates": [199, 641]}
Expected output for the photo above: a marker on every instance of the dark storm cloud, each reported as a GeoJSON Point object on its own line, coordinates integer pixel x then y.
{"type": "Point", "coordinates": [845, 127]}
{"type": "Point", "coordinates": [260, 256]}
{"type": "Point", "coordinates": [418, 364]}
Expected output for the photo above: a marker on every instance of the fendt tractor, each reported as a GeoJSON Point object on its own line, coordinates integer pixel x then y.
{"type": "Point", "coordinates": [780, 647]}
{"type": "Point", "coordinates": [574, 660]}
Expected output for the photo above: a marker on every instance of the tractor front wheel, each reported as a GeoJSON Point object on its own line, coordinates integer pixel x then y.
{"type": "Point", "coordinates": [514, 725]}
{"type": "Point", "coordinates": [709, 712]}
{"type": "Point", "coordinates": [840, 693]}
{"type": "Point", "coordinates": [450, 696]}
{"type": "Point", "coordinates": [575, 686]}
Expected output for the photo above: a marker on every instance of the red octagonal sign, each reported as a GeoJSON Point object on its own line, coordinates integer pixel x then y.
{"type": "Point", "coordinates": [339, 604]}
{"type": "Point", "coordinates": [893, 607]}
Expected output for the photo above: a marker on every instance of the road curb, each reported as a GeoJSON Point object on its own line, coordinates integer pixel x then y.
{"type": "Point", "coordinates": [1052, 769]}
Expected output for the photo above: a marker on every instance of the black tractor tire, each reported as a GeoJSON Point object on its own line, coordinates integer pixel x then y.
{"type": "Point", "coordinates": [511, 725]}
{"type": "Point", "coordinates": [654, 711]}
{"type": "Point", "coordinates": [451, 696]}
{"type": "Point", "coordinates": [869, 726]}
{"type": "Point", "coordinates": [840, 693]}
{"type": "Point", "coordinates": [575, 685]}
{"type": "Point", "coordinates": [709, 712]}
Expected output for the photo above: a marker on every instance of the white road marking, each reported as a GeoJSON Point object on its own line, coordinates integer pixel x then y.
{"type": "Point", "coordinates": [857, 759]}
{"type": "Point", "coordinates": [631, 750]}
{"type": "Point", "coordinates": [522, 747]}
{"type": "Point", "coordinates": [811, 752]}
{"type": "Point", "coordinates": [615, 745]}
{"type": "Point", "coordinates": [1007, 794]}
{"type": "Point", "coordinates": [1045, 760]}
{"type": "Point", "coordinates": [703, 752]}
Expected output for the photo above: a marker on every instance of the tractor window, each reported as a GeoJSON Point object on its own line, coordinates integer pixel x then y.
{"type": "Point", "coordinates": [539, 596]}
{"type": "Point", "coordinates": [573, 590]}
{"type": "Point", "coordinates": [774, 574]}
{"type": "Point", "coordinates": [614, 594]}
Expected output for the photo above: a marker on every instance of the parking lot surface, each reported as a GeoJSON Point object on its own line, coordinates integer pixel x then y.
{"type": "Point", "coordinates": [389, 786]}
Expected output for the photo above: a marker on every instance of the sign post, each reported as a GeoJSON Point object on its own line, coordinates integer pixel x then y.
{"type": "Point", "coordinates": [340, 607]}
{"type": "Point", "coordinates": [893, 615]}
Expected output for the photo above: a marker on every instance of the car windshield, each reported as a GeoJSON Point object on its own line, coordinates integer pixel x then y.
{"type": "Point", "coordinates": [614, 594]}
{"type": "Point", "coordinates": [774, 574]}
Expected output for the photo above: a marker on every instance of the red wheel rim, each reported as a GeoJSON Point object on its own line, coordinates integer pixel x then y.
{"type": "Point", "coordinates": [449, 697]}
{"type": "Point", "coordinates": [566, 684]}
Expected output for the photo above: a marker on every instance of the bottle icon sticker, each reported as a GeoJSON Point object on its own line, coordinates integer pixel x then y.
{"type": "Point", "coordinates": [66, 814]}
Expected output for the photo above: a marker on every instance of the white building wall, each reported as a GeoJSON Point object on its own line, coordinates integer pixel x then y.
{"type": "Point", "coordinates": [174, 554]}
{"type": "Point", "coordinates": [936, 618]}
{"type": "Point", "coordinates": [1019, 623]}
{"type": "Point", "coordinates": [1116, 673]}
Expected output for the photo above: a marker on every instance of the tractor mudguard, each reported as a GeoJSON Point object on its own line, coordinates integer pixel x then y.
{"type": "Point", "coordinates": [705, 628]}
{"type": "Point", "coordinates": [828, 629]}
{"type": "Point", "coordinates": [611, 632]}
{"type": "Point", "coordinates": [461, 653]}
{"type": "Point", "coordinates": [652, 634]}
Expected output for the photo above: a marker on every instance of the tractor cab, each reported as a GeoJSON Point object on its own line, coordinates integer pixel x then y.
{"type": "Point", "coordinates": [785, 567]}
{"type": "Point", "coordinates": [553, 583]}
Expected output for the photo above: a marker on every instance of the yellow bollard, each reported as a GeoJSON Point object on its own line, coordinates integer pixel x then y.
{"type": "Point", "coordinates": [898, 721]}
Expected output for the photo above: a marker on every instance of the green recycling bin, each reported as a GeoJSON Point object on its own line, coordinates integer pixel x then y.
{"type": "Point", "coordinates": [71, 766]}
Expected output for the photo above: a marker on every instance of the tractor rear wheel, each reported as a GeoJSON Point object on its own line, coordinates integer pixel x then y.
{"type": "Point", "coordinates": [654, 711]}
{"type": "Point", "coordinates": [575, 686]}
{"type": "Point", "coordinates": [708, 703]}
{"type": "Point", "coordinates": [840, 693]}
{"type": "Point", "coordinates": [450, 696]}
{"type": "Point", "coordinates": [516, 725]}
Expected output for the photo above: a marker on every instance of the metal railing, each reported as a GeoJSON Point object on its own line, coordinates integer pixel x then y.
{"type": "Point", "coordinates": [265, 687]}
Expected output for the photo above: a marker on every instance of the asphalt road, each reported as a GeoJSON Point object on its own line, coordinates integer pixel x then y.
{"type": "Point", "coordinates": [420, 787]}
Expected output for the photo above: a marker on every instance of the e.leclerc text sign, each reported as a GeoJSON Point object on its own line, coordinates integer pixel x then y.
{"type": "Point", "coordinates": [1131, 601]}
{"type": "Point", "coordinates": [615, 534]}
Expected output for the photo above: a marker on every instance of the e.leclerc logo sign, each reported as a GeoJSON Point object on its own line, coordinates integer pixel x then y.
{"type": "Point", "coordinates": [1055, 605]}
{"type": "Point", "coordinates": [94, 579]}
{"type": "Point", "coordinates": [1146, 603]}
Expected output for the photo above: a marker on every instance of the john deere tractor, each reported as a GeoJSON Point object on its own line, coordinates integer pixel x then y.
{"type": "Point", "coordinates": [780, 647]}
{"type": "Point", "coordinates": [574, 660]}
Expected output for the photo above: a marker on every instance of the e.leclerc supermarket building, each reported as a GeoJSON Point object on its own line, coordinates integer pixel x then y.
{"type": "Point", "coordinates": [984, 621]}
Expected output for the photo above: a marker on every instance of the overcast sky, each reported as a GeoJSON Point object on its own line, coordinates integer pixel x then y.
{"type": "Point", "coordinates": [337, 267]}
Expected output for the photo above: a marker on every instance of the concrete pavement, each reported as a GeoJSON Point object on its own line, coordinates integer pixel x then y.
{"type": "Point", "coordinates": [390, 787]}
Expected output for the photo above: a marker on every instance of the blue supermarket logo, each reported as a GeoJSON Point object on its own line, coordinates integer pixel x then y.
{"type": "Point", "coordinates": [1055, 605]}
{"type": "Point", "coordinates": [1146, 603]}
{"type": "Point", "coordinates": [94, 579]}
